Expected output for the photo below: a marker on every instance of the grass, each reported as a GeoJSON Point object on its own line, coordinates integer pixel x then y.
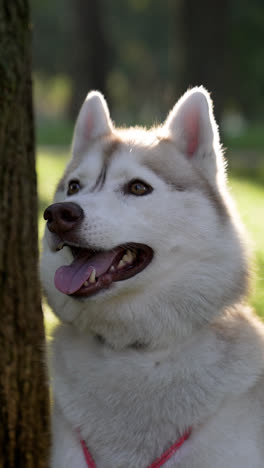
{"type": "Point", "coordinates": [249, 196]}
{"type": "Point", "coordinates": [247, 188]}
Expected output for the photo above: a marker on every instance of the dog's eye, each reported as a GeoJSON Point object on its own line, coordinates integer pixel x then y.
{"type": "Point", "coordinates": [73, 187]}
{"type": "Point", "coordinates": [138, 188]}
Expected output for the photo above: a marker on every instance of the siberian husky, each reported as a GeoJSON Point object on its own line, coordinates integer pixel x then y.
{"type": "Point", "coordinates": [156, 360]}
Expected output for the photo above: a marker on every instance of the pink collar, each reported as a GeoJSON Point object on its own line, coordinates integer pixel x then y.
{"type": "Point", "coordinates": [156, 464]}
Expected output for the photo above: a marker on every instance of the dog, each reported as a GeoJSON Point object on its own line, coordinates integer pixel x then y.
{"type": "Point", "coordinates": [157, 360]}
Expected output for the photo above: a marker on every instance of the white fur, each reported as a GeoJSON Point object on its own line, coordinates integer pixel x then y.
{"type": "Point", "coordinates": [202, 365]}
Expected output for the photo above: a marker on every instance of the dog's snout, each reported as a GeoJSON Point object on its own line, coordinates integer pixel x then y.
{"type": "Point", "coordinates": [63, 217]}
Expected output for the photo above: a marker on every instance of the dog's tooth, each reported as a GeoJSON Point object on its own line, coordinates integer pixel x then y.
{"type": "Point", "coordinates": [129, 255]}
{"type": "Point", "coordinates": [86, 283]}
{"type": "Point", "coordinates": [92, 276]}
{"type": "Point", "coordinates": [112, 268]}
{"type": "Point", "coordinates": [60, 246]}
{"type": "Point", "coordinates": [121, 264]}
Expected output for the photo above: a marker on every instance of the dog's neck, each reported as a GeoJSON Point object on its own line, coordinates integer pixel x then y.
{"type": "Point", "coordinates": [114, 394]}
{"type": "Point", "coordinates": [119, 399]}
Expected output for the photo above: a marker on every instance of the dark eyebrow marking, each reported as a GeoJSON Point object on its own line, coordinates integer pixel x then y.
{"type": "Point", "coordinates": [100, 179]}
{"type": "Point", "coordinates": [108, 151]}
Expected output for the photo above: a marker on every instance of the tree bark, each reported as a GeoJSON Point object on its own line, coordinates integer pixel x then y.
{"type": "Point", "coordinates": [24, 401]}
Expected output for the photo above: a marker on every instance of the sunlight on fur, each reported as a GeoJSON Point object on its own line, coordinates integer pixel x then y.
{"type": "Point", "coordinates": [146, 266]}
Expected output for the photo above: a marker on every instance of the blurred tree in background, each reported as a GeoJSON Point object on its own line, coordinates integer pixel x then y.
{"type": "Point", "coordinates": [144, 53]}
{"type": "Point", "coordinates": [206, 49]}
{"type": "Point", "coordinates": [91, 52]}
{"type": "Point", "coordinates": [247, 40]}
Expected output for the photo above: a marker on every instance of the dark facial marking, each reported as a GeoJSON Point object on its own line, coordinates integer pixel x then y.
{"type": "Point", "coordinates": [100, 179]}
{"type": "Point", "coordinates": [108, 151]}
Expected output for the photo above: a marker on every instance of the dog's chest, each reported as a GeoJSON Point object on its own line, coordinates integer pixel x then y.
{"type": "Point", "coordinates": [130, 408]}
{"type": "Point", "coordinates": [122, 409]}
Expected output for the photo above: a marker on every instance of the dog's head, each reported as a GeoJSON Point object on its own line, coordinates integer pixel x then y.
{"type": "Point", "coordinates": [140, 240]}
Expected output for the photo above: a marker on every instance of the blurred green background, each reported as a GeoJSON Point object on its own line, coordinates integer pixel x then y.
{"type": "Point", "coordinates": [143, 54]}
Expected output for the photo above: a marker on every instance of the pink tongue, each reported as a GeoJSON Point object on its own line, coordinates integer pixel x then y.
{"type": "Point", "coordinates": [69, 279]}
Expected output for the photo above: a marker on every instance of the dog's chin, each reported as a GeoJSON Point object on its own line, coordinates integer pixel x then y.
{"type": "Point", "coordinates": [93, 271]}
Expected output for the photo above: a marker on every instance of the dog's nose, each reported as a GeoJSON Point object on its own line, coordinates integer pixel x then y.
{"type": "Point", "coordinates": [63, 217]}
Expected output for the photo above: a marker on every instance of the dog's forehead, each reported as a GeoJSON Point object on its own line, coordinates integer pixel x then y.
{"type": "Point", "coordinates": [159, 155]}
{"type": "Point", "coordinates": [128, 150]}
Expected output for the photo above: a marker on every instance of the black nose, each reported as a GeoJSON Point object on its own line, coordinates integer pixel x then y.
{"type": "Point", "coordinates": [63, 217]}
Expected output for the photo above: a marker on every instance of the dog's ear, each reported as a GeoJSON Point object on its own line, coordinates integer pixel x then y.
{"type": "Point", "coordinates": [191, 125]}
{"type": "Point", "coordinates": [93, 121]}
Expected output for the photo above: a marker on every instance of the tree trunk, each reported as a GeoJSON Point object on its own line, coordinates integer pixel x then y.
{"type": "Point", "coordinates": [204, 28]}
{"type": "Point", "coordinates": [90, 54]}
{"type": "Point", "coordinates": [24, 401]}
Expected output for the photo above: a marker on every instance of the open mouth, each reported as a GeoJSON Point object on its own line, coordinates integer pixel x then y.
{"type": "Point", "coordinates": [92, 270]}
